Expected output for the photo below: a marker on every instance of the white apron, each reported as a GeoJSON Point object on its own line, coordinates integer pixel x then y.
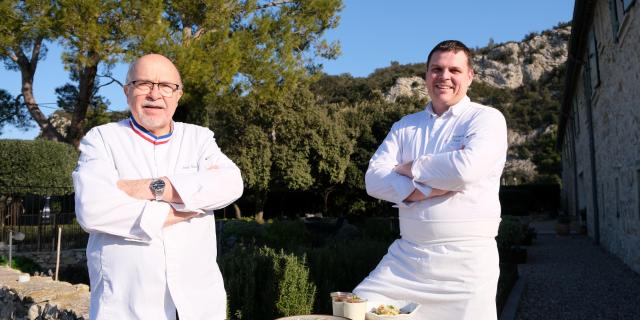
{"type": "Point", "coordinates": [453, 280]}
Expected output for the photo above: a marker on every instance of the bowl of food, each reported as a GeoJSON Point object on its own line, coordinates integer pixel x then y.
{"type": "Point", "coordinates": [396, 310]}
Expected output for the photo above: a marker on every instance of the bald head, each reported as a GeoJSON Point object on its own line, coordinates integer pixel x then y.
{"type": "Point", "coordinates": [156, 61]}
{"type": "Point", "coordinates": [151, 105]}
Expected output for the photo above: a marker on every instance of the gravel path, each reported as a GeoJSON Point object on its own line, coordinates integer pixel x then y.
{"type": "Point", "coordinates": [572, 278]}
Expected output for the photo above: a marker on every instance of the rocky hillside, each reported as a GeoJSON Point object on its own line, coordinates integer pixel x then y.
{"type": "Point", "coordinates": [514, 64]}
{"type": "Point", "coordinates": [524, 80]}
{"type": "Point", "coordinates": [507, 65]}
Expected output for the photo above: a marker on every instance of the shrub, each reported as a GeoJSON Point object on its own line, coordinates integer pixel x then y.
{"type": "Point", "coordinates": [287, 234]}
{"type": "Point", "coordinates": [509, 233]}
{"type": "Point", "coordinates": [74, 274]}
{"type": "Point", "coordinates": [21, 263]}
{"type": "Point", "coordinates": [280, 234]}
{"type": "Point", "coordinates": [504, 56]}
{"type": "Point", "coordinates": [530, 36]}
{"type": "Point", "coordinates": [245, 231]}
{"type": "Point", "coordinates": [37, 163]}
{"type": "Point", "coordinates": [382, 229]}
{"type": "Point", "coordinates": [506, 281]}
{"type": "Point", "coordinates": [264, 283]}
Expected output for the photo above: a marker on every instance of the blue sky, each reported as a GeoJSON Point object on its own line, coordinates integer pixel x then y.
{"type": "Point", "coordinates": [372, 33]}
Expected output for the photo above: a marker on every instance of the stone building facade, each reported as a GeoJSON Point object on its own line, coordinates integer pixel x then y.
{"type": "Point", "coordinates": [599, 129]}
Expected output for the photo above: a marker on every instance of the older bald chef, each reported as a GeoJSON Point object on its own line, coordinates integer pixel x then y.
{"type": "Point", "coordinates": [442, 168]}
{"type": "Point", "coordinates": [146, 188]}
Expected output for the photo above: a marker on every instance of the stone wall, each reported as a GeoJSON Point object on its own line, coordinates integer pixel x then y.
{"type": "Point", "coordinates": [615, 108]}
{"type": "Point", "coordinates": [47, 259]}
{"type": "Point", "coordinates": [41, 298]}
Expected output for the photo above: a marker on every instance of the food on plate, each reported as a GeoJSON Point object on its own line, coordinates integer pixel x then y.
{"type": "Point", "coordinates": [386, 310]}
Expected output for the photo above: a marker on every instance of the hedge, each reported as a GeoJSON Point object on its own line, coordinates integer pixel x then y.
{"type": "Point", "coordinates": [258, 288]}
{"type": "Point", "coordinates": [37, 166]}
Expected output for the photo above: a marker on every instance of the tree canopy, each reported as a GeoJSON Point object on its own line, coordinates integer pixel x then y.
{"type": "Point", "coordinates": [251, 73]}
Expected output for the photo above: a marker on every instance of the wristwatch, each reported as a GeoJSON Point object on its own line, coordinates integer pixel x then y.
{"type": "Point", "coordinates": [157, 188]}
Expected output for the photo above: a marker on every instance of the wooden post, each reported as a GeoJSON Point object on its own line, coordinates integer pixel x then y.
{"type": "Point", "coordinates": [10, 245]}
{"type": "Point", "coordinates": [58, 252]}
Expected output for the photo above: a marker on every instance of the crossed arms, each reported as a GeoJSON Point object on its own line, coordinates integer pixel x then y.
{"type": "Point", "coordinates": [139, 189]}
{"type": "Point", "coordinates": [105, 203]}
{"type": "Point", "coordinates": [396, 175]}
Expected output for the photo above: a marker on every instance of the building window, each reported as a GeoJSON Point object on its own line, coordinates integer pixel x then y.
{"type": "Point", "coordinates": [592, 61]}
{"type": "Point", "coordinates": [626, 4]}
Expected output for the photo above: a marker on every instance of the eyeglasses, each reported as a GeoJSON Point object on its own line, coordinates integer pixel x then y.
{"type": "Point", "coordinates": [166, 89]}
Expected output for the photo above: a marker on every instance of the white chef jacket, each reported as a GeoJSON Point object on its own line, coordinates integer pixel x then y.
{"type": "Point", "coordinates": [137, 268]}
{"type": "Point", "coordinates": [464, 151]}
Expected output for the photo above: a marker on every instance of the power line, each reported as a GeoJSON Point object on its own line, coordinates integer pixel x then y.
{"type": "Point", "coordinates": [43, 105]}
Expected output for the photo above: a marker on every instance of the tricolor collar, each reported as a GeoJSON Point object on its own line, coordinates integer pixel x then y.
{"type": "Point", "coordinates": [145, 134]}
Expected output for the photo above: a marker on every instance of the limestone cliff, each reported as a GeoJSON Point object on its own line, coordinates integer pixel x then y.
{"type": "Point", "coordinates": [506, 65]}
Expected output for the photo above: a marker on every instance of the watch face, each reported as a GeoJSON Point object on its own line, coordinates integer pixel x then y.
{"type": "Point", "coordinates": [157, 184]}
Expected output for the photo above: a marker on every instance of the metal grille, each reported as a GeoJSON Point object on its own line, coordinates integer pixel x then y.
{"type": "Point", "coordinates": [26, 210]}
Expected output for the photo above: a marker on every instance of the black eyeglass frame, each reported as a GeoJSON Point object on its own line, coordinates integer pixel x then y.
{"type": "Point", "coordinates": [173, 86]}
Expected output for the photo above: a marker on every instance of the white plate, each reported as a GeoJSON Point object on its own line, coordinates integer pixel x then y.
{"type": "Point", "coordinates": [404, 306]}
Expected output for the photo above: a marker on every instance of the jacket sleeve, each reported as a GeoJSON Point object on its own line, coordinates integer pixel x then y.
{"type": "Point", "coordinates": [485, 148]}
{"type": "Point", "coordinates": [101, 207]}
{"type": "Point", "coordinates": [380, 180]}
{"type": "Point", "coordinates": [216, 184]}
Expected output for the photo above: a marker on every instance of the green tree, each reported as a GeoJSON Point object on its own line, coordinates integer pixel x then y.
{"type": "Point", "coordinates": [11, 111]}
{"type": "Point", "coordinates": [286, 145]}
{"type": "Point", "coordinates": [25, 27]}
{"type": "Point", "coordinates": [228, 49]}
{"type": "Point", "coordinates": [97, 112]}
{"type": "Point", "coordinates": [100, 33]}
{"type": "Point", "coordinates": [95, 33]}
{"type": "Point", "coordinates": [342, 89]}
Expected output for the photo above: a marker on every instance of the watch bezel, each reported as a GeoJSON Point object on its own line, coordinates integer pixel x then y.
{"type": "Point", "coordinates": [157, 186]}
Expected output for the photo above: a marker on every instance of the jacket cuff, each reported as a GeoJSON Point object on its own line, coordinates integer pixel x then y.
{"type": "Point", "coordinates": [403, 187]}
{"type": "Point", "coordinates": [425, 189]}
{"type": "Point", "coordinates": [152, 220]}
{"type": "Point", "coordinates": [186, 185]}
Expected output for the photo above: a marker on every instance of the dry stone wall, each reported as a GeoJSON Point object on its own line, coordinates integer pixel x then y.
{"type": "Point", "coordinates": [41, 298]}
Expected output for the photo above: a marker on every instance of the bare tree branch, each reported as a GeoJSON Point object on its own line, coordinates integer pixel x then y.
{"type": "Point", "coordinates": [110, 82]}
{"type": "Point", "coordinates": [13, 57]}
{"type": "Point", "coordinates": [35, 54]}
{"type": "Point", "coordinates": [199, 33]}
{"type": "Point", "coordinates": [186, 33]}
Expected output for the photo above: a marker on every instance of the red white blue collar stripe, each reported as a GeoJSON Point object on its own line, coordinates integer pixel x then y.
{"type": "Point", "coordinates": [145, 134]}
